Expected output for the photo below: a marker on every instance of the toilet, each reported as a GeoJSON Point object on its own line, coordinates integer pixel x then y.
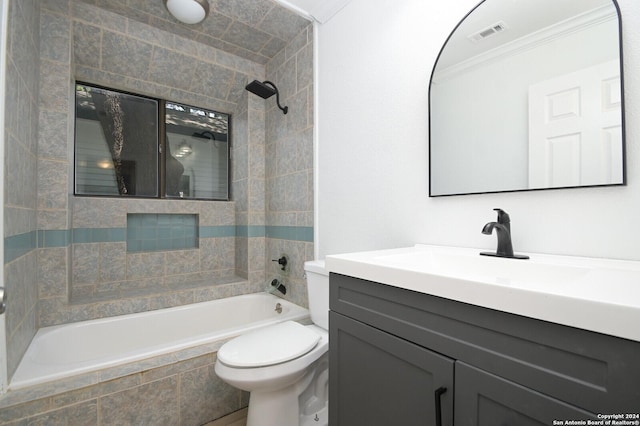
{"type": "Point", "coordinates": [285, 366]}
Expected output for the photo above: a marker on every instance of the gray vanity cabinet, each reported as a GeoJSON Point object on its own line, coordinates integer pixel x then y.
{"type": "Point", "coordinates": [391, 349]}
{"type": "Point", "coordinates": [483, 398]}
{"type": "Point", "coordinates": [369, 366]}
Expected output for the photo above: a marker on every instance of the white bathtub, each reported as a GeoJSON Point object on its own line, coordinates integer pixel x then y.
{"type": "Point", "coordinates": [66, 350]}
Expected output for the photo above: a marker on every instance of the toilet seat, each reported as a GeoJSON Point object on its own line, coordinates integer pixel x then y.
{"type": "Point", "coordinates": [268, 346]}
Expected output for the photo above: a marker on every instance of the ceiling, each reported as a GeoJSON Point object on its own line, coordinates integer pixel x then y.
{"type": "Point", "coordinates": [319, 10]}
{"type": "Point", "coordinates": [252, 29]}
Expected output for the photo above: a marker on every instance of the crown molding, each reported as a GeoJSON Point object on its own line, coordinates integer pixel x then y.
{"type": "Point", "coordinates": [530, 41]}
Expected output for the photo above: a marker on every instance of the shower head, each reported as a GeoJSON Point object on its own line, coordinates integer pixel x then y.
{"type": "Point", "coordinates": [265, 90]}
{"type": "Point", "coordinates": [260, 89]}
{"type": "Point", "coordinates": [203, 135]}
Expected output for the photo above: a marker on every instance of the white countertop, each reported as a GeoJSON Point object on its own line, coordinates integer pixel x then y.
{"type": "Point", "coordinates": [601, 295]}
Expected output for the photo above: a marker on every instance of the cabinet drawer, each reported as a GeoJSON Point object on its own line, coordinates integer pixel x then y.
{"type": "Point", "coordinates": [589, 370]}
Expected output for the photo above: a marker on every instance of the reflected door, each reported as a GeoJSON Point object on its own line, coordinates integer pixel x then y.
{"type": "Point", "coordinates": [575, 129]}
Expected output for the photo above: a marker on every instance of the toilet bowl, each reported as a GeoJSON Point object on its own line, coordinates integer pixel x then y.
{"type": "Point", "coordinates": [284, 366]}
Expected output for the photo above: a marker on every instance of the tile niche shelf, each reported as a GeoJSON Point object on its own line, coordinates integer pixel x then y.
{"type": "Point", "coordinates": [161, 232]}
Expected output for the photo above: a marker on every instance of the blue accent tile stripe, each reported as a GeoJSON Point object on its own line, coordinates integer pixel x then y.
{"type": "Point", "coordinates": [54, 238]}
{"type": "Point", "coordinates": [217, 231]}
{"type": "Point", "coordinates": [256, 231]}
{"type": "Point", "coordinates": [294, 233]}
{"type": "Point", "coordinates": [99, 235]}
{"type": "Point", "coordinates": [19, 245]}
{"type": "Point", "coordinates": [250, 231]}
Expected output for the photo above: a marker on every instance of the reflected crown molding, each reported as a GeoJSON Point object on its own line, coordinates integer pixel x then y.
{"type": "Point", "coordinates": [533, 40]}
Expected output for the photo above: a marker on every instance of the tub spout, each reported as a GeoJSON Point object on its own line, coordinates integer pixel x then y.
{"type": "Point", "coordinates": [277, 285]}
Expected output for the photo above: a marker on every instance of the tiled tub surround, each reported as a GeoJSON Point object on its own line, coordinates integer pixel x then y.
{"type": "Point", "coordinates": [92, 275]}
{"type": "Point", "coordinates": [46, 230]}
{"type": "Point", "coordinates": [63, 351]}
{"type": "Point", "coordinates": [97, 276]}
{"type": "Point", "coordinates": [288, 168]}
{"type": "Point", "coordinates": [179, 388]}
{"type": "Point", "coordinates": [20, 176]}
{"type": "Point", "coordinates": [172, 388]}
{"type": "Point", "coordinates": [107, 280]}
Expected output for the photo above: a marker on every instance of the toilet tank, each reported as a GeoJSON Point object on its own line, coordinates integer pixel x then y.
{"type": "Point", "coordinates": [318, 292]}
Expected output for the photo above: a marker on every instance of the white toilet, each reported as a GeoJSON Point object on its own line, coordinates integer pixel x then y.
{"type": "Point", "coordinates": [285, 366]}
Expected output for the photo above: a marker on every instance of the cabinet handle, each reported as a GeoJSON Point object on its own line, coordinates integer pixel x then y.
{"type": "Point", "coordinates": [438, 395]}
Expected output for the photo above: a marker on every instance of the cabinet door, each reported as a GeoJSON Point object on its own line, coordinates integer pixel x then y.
{"type": "Point", "coordinates": [377, 379]}
{"type": "Point", "coordinates": [483, 399]}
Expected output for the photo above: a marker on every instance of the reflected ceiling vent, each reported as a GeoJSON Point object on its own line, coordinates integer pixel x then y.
{"type": "Point", "coordinates": [485, 33]}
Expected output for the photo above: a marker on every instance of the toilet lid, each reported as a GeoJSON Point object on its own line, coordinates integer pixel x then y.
{"type": "Point", "coordinates": [270, 345]}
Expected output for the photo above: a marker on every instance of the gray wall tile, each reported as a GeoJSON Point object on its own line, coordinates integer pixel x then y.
{"type": "Point", "coordinates": [204, 396]}
{"type": "Point", "coordinates": [125, 56]}
{"type": "Point", "coordinates": [86, 44]}
{"type": "Point", "coordinates": [144, 265]}
{"type": "Point", "coordinates": [86, 263]}
{"type": "Point", "coordinates": [21, 127]}
{"type": "Point", "coordinates": [152, 403]}
{"type": "Point", "coordinates": [171, 68]}
{"type": "Point", "coordinates": [53, 135]}
{"type": "Point", "coordinates": [55, 77]}
{"type": "Point", "coordinates": [55, 34]}
{"type": "Point", "coordinates": [52, 272]}
{"type": "Point", "coordinates": [211, 79]}
{"type": "Point", "coordinates": [52, 185]}
{"type": "Point", "coordinates": [112, 262]}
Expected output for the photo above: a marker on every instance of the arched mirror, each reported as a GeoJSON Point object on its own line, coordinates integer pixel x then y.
{"type": "Point", "coordinates": [527, 95]}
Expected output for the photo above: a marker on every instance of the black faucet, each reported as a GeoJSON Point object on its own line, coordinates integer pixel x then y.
{"type": "Point", "coordinates": [503, 231]}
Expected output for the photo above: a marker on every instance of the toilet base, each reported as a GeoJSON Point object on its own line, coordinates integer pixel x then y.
{"type": "Point", "coordinates": [278, 408]}
{"type": "Point", "coordinates": [282, 407]}
{"type": "Point", "coordinates": [321, 418]}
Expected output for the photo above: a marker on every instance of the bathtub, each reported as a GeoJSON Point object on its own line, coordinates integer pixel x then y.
{"type": "Point", "coordinates": [66, 350]}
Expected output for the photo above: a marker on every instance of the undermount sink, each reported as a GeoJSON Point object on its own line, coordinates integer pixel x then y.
{"type": "Point", "coordinates": [595, 294]}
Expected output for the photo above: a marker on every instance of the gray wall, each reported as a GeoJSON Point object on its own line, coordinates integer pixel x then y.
{"type": "Point", "coordinates": [289, 162]}
{"type": "Point", "coordinates": [90, 44]}
{"type": "Point", "coordinates": [77, 278]}
{"type": "Point", "coordinates": [20, 203]}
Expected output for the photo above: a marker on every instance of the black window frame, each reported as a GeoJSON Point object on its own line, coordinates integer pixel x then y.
{"type": "Point", "coordinates": [162, 147]}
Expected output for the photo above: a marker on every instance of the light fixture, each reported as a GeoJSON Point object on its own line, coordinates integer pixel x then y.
{"type": "Point", "coordinates": [265, 90]}
{"type": "Point", "coordinates": [184, 150]}
{"type": "Point", "coordinates": [105, 163]}
{"type": "Point", "coordinates": [188, 11]}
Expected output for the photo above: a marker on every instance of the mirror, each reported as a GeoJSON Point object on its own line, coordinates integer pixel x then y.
{"type": "Point", "coordinates": [527, 95]}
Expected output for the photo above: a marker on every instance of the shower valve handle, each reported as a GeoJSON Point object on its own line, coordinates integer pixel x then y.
{"type": "Point", "coordinates": [282, 262]}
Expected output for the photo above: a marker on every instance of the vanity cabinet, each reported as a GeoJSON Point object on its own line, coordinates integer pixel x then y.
{"type": "Point", "coordinates": [371, 366]}
{"type": "Point", "coordinates": [392, 349]}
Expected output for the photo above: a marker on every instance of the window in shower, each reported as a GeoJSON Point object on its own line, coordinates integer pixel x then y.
{"type": "Point", "coordinates": [135, 146]}
{"type": "Point", "coordinates": [116, 148]}
{"type": "Point", "coordinates": [197, 147]}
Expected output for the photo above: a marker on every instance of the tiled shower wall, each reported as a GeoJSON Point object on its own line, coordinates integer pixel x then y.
{"type": "Point", "coordinates": [107, 279]}
{"type": "Point", "coordinates": [289, 165]}
{"type": "Point", "coordinates": [82, 270]}
{"type": "Point", "coordinates": [20, 203]}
